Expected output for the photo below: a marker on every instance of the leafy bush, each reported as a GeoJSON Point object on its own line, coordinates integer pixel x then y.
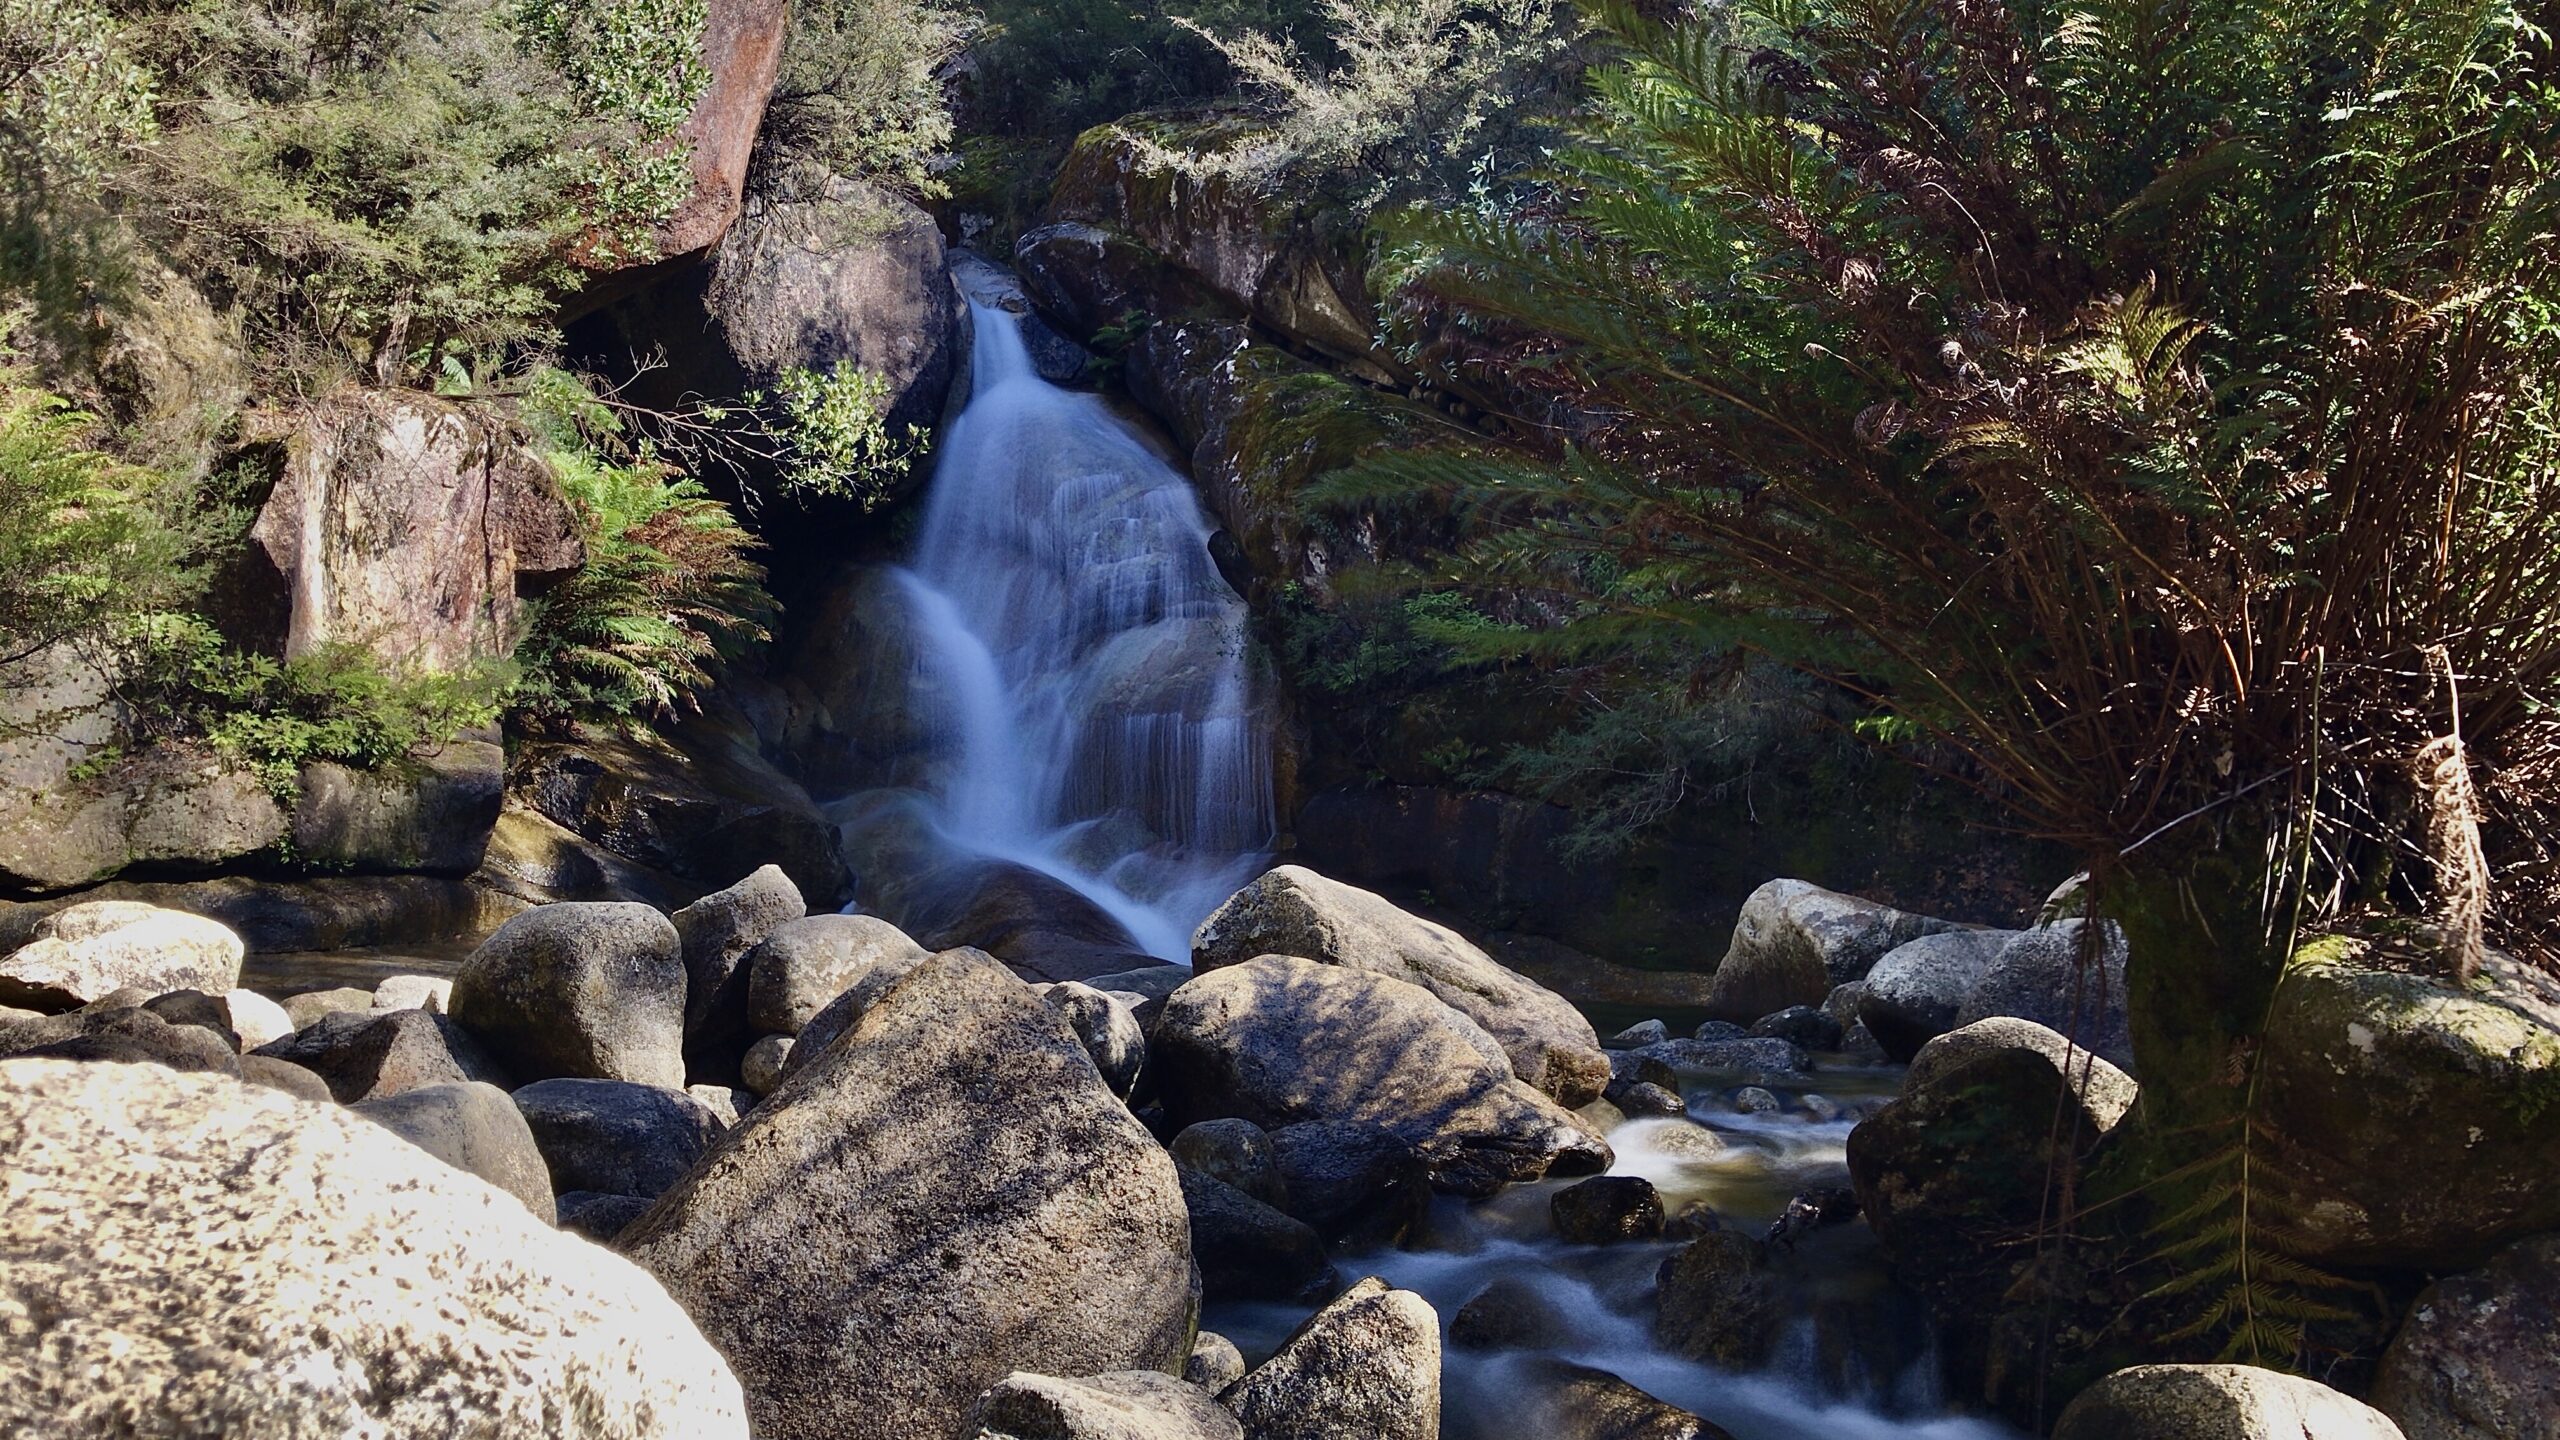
{"type": "Point", "coordinates": [860, 94]}
{"type": "Point", "coordinates": [1055, 68]}
{"type": "Point", "coordinates": [73, 105]}
{"type": "Point", "coordinates": [667, 589]}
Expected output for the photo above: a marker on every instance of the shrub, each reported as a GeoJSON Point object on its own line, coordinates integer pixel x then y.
{"type": "Point", "coordinates": [860, 94]}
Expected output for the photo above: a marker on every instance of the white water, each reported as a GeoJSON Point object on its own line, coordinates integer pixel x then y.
{"type": "Point", "coordinates": [1093, 663]}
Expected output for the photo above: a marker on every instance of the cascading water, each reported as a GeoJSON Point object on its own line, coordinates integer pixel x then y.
{"type": "Point", "coordinates": [1095, 682]}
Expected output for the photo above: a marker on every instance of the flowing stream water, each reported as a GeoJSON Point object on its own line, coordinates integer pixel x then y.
{"type": "Point", "coordinates": [1106, 713]}
{"type": "Point", "coordinates": [1108, 728]}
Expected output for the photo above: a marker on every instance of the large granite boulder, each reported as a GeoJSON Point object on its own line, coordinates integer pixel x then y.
{"type": "Point", "coordinates": [2475, 1360]}
{"type": "Point", "coordinates": [2217, 1402]}
{"type": "Point", "coordinates": [1366, 1367]}
{"type": "Point", "coordinates": [1566, 1401]}
{"type": "Point", "coordinates": [946, 1195]}
{"type": "Point", "coordinates": [2353, 1050]}
{"type": "Point", "coordinates": [368, 1054]}
{"type": "Point", "coordinates": [88, 952]}
{"type": "Point", "coordinates": [585, 990]}
{"type": "Point", "coordinates": [1794, 941]}
{"type": "Point", "coordinates": [1280, 1040]}
{"type": "Point", "coordinates": [1128, 1405]}
{"type": "Point", "coordinates": [1295, 911]}
{"type": "Point", "coordinates": [804, 965]}
{"type": "Point", "coordinates": [1248, 1250]}
{"type": "Point", "coordinates": [1358, 1184]}
{"type": "Point", "coordinates": [2068, 977]}
{"type": "Point", "coordinates": [475, 1129]}
{"type": "Point", "coordinates": [612, 1137]}
{"type": "Point", "coordinates": [211, 1258]}
{"type": "Point", "coordinates": [716, 934]}
{"type": "Point", "coordinates": [1914, 994]}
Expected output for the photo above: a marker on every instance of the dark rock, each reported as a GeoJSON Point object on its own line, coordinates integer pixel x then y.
{"type": "Point", "coordinates": [1718, 1303]}
{"type": "Point", "coordinates": [1793, 942]}
{"type": "Point", "coordinates": [1246, 1249]}
{"type": "Point", "coordinates": [2216, 1402]}
{"type": "Point", "coordinates": [128, 1036]}
{"type": "Point", "coordinates": [585, 990]}
{"type": "Point", "coordinates": [1566, 1401]}
{"type": "Point", "coordinates": [475, 1129]}
{"type": "Point", "coordinates": [287, 1077]}
{"type": "Point", "coordinates": [615, 1137]}
{"type": "Point", "coordinates": [1108, 1029]}
{"type": "Point", "coordinates": [1713, 1032]}
{"type": "Point", "coordinates": [1153, 984]}
{"type": "Point", "coordinates": [1752, 1100]}
{"type": "Point", "coordinates": [715, 935]}
{"type": "Point", "coordinates": [765, 1064]}
{"type": "Point", "coordinates": [2475, 1360]}
{"type": "Point", "coordinates": [1646, 1098]}
{"type": "Point", "coordinates": [1128, 1405]}
{"type": "Point", "coordinates": [601, 1218]}
{"type": "Point", "coordinates": [2040, 976]}
{"type": "Point", "coordinates": [796, 1241]}
{"type": "Point", "coordinates": [1236, 1152]}
{"type": "Point", "coordinates": [1914, 994]}
{"type": "Point", "coordinates": [368, 1054]}
{"type": "Point", "coordinates": [1278, 1041]}
{"type": "Point", "coordinates": [1800, 1025]}
{"type": "Point", "coordinates": [1512, 1313]}
{"type": "Point", "coordinates": [194, 1007]}
{"type": "Point", "coordinates": [1638, 1035]}
{"type": "Point", "coordinates": [1606, 1209]}
{"type": "Point", "coordinates": [1293, 911]}
{"type": "Point", "coordinates": [1358, 1184]}
{"type": "Point", "coordinates": [1366, 1367]}
{"type": "Point", "coordinates": [1760, 1061]}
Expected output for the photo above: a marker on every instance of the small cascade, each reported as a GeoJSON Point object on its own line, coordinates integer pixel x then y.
{"type": "Point", "coordinates": [1097, 695]}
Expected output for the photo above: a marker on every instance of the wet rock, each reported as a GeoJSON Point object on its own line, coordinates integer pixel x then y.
{"type": "Point", "coordinates": [1763, 1060]}
{"type": "Point", "coordinates": [593, 990]}
{"type": "Point", "coordinates": [1576, 1402]}
{"type": "Point", "coordinates": [1294, 911]}
{"type": "Point", "coordinates": [242, 1263]}
{"type": "Point", "coordinates": [601, 1218]}
{"type": "Point", "coordinates": [807, 963]}
{"type": "Point", "coordinates": [306, 1009]}
{"type": "Point", "coordinates": [1128, 1405]}
{"type": "Point", "coordinates": [1108, 1030]}
{"type": "Point", "coordinates": [1358, 1184]}
{"type": "Point", "coordinates": [1638, 1035]}
{"type": "Point", "coordinates": [1512, 1313]}
{"type": "Point", "coordinates": [1716, 1031]}
{"type": "Point", "coordinates": [1066, 1248]}
{"type": "Point", "coordinates": [1246, 1249]}
{"type": "Point", "coordinates": [2350, 1046]}
{"type": "Point", "coordinates": [1279, 1041]}
{"type": "Point", "coordinates": [1812, 1210]}
{"type": "Point", "coordinates": [2040, 976]}
{"type": "Point", "coordinates": [1236, 1152]}
{"type": "Point", "coordinates": [2475, 1359]}
{"type": "Point", "coordinates": [1695, 1219]}
{"type": "Point", "coordinates": [1803, 1026]}
{"type": "Point", "coordinates": [1366, 1367]}
{"type": "Point", "coordinates": [2216, 1402]}
{"type": "Point", "coordinates": [1717, 1302]}
{"type": "Point", "coordinates": [366, 1054]}
{"type": "Point", "coordinates": [1606, 1209]}
{"type": "Point", "coordinates": [1752, 1100]}
{"type": "Point", "coordinates": [715, 934]}
{"type": "Point", "coordinates": [1635, 1067]}
{"type": "Point", "coordinates": [474, 1128]}
{"type": "Point", "coordinates": [1793, 942]}
{"type": "Point", "coordinates": [286, 1077]}
{"type": "Point", "coordinates": [1215, 1362]}
{"type": "Point", "coordinates": [1646, 1098]}
{"type": "Point", "coordinates": [1841, 1005]}
{"type": "Point", "coordinates": [88, 951]}
{"type": "Point", "coordinates": [1915, 993]}
{"type": "Point", "coordinates": [414, 992]}
{"type": "Point", "coordinates": [615, 1137]}
{"type": "Point", "coordinates": [765, 1064]}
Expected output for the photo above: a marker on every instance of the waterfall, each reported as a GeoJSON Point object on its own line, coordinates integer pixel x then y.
{"type": "Point", "coordinates": [1099, 697]}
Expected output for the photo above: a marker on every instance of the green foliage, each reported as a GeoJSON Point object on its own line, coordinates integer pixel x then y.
{"type": "Point", "coordinates": [832, 430]}
{"type": "Point", "coordinates": [635, 70]}
{"type": "Point", "coordinates": [666, 591]}
{"type": "Point", "coordinates": [1057, 68]}
{"type": "Point", "coordinates": [338, 703]}
{"type": "Point", "coordinates": [86, 541]}
{"type": "Point", "coordinates": [73, 105]}
{"type": "Point", "coordinates": [860, 93]}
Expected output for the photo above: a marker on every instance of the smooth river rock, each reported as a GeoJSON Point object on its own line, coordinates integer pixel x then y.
{"type": "Point", "coordinates": [1794, 942]}
{"type": "Point", "coordinates": [212, 1258]}
{"type": "Point", "coordinates": [2217, 1402]}
{"type": "Point", "coordinates": [1129, 1405]}
{"type": "Point", "coordinates": [591, 989]}
{"type": "Point", "coordinates": [614, 1137]}
{"type": "Point", "coordinates": [2066, 977]}
{"type": "Point", "coordinates": [1366, 1367]}
{"type": "Point", "coordinates": [807, 963]}
{"type": "Point", "coordinates": [87, 952]}
{"type": "Point", "coordinates": [716, 934]}
{"type": "Point", "coordinates": [474, 1128]}
{"type": "Point", "coordinates": [945, 1195]}
{"type": "Point", "coordinates": [1295, 911]}
{"type": "Point", "coordinates": [1280, 1040]}
{"type": "Point", "coordinates": [1915, 992]}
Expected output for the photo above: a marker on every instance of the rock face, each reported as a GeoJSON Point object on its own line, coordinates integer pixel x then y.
{"type": "Point", "coordinates": [591, 990]}
{"type": "Point", "coordinates": [742, 49]}
{"type": "Point", "coordinates": [2474, 1360]}
{"type": "Point", "coordinates": [225, 1260]}
{"type": "Point", "coordinates": [2039, 976]}
{"type": "Point", "coordinates": [405, 524]}
{"type": "Point", "coordinates": [475, 1129]}
{"type": "Point", "coordinates": [1295, 911]}
{"type": "Point", "coordinates": [1129, 1405]}
{"type": "Point", "coordinates": [1278, 1040]}
{"type": "Point", "coordinates": [802, 966]}
{"type": "Point", "coordinates": [2216, 1402]}
{"type": "Point", "coordinates": [90, 951]}
{"type": "Point", "coordinates": [1915, 992]}
{"type": "Point", "coordinates": [1366, 1367]}
{"type": "Point", "coordinates": [613, 1137]}
{"type": "Point", "coordinates": [429, 815]}
{"type": "Point", "coordinates": [959, 1108]}
{"type": "Point", "coordinates": [2348, 1046]}
{"type": "Point", "coordinates": [1793, 942]}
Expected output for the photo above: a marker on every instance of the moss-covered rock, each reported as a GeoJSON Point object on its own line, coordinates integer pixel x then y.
{"type": "Point", "coordinates": [2423, 1116]}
